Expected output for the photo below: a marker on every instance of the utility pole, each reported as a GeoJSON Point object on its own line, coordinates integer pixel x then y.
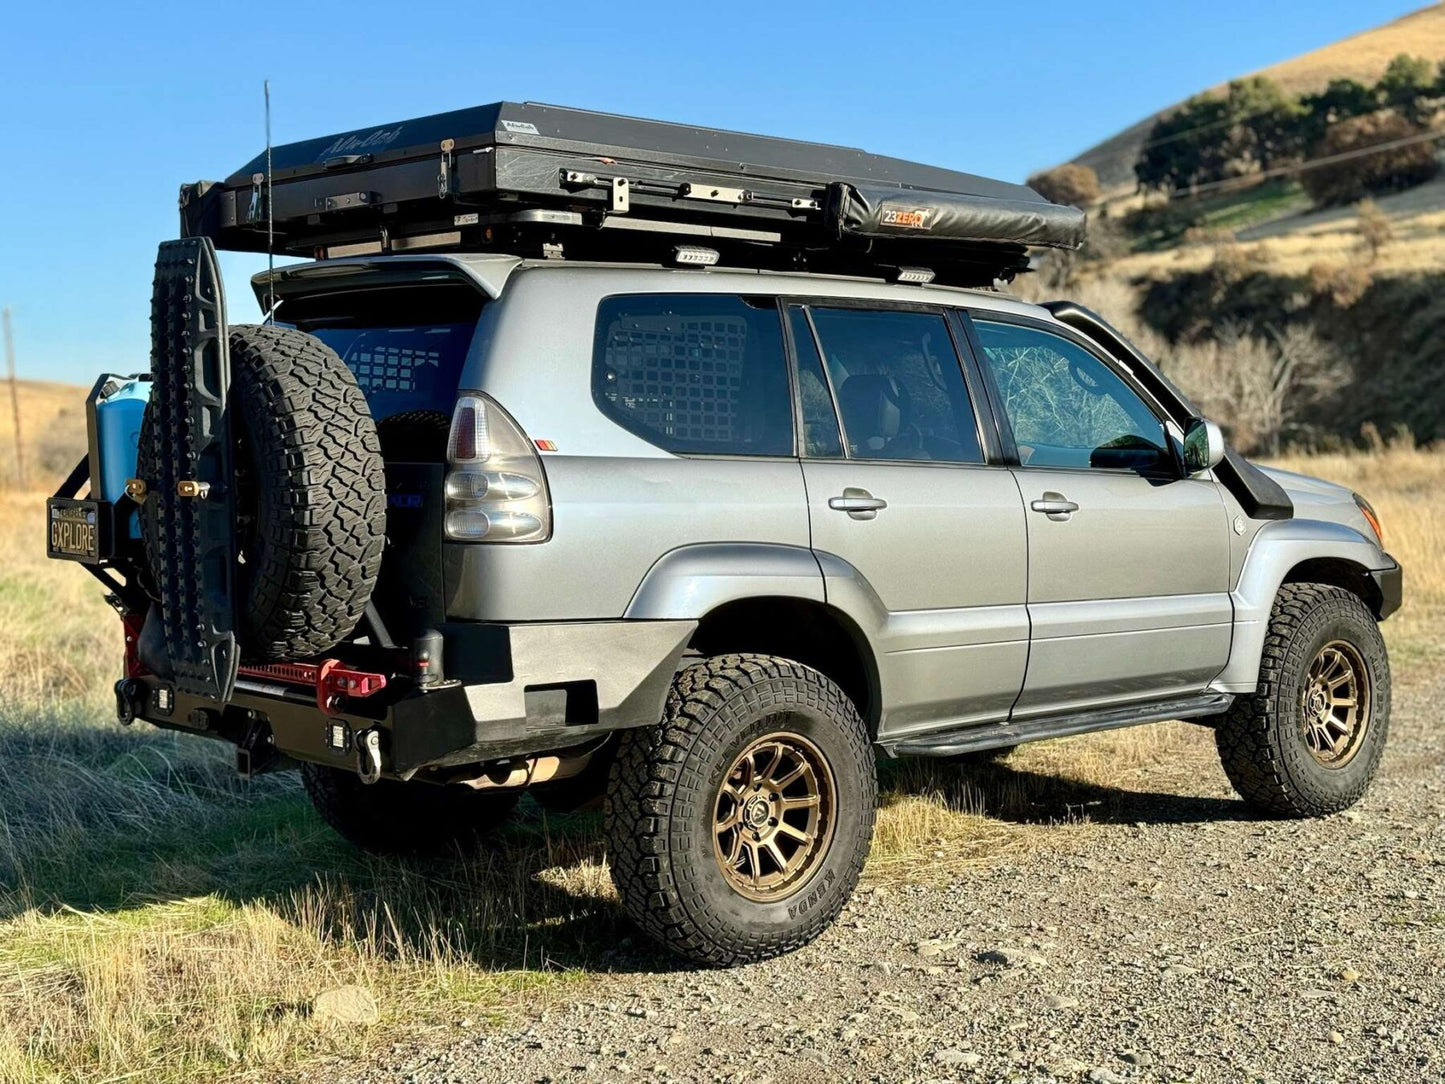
{"type": "Point", "coordinates": [14, 397]}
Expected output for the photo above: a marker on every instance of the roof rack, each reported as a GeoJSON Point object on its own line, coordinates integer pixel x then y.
{"type": "Point", "coordinates": [546, 181]}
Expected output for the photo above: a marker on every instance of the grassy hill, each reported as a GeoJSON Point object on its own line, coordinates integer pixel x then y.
{"type": "Point", "coordinates": [52, 432]}
{"type": "Point", "coordinates": [1362, 57]}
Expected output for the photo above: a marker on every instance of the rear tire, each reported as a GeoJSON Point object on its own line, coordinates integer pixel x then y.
{"type": "Point", "coordinates": [392, 817]}
{"type": "Point", "coordinates": [737, 829]}
{"type": "Point", "coordinates": [1290, 750]}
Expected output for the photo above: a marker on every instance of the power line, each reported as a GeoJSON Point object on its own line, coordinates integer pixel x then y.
{"type": "Point", "coordinates": [14, 396]}
{"type": "Point", "coordinates": [1310, 163]}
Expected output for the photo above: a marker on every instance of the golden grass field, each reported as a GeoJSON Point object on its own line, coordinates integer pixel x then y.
{"type": "Point", "coordinates": [161, 921]}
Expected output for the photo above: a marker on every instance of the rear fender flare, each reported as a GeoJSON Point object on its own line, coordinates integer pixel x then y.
{"type": "Point", "coordinates": [689, 582]}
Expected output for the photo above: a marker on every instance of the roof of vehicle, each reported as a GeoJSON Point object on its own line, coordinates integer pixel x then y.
{"type": "Point", "coordinates": [491, 273]}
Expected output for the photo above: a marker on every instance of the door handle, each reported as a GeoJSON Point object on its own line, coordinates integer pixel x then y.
{"type": "Point", "coordinates": [858, 503]}
{"type": "Point", "coordinates": [1055, 505]}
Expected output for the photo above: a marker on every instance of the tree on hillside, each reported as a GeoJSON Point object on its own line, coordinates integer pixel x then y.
{"type": "Point", "coordinates": [1269, 123]}
{"type": "Point", "coordinates": [1255, 126]}
{"type": "Point", "coordinates": [1341, 100]}
{"type": "Point", "coordinates": [1187, 147]}
{"type": "Point", "coordinates": [1071, 183]}
{"type": "Point", "coordinates": [1408, 87]}
{"type": "Point", "coordinates": [1397, 166]}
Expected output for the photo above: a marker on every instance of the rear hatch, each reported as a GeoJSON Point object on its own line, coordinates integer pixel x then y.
{"type": "Point", "coordinates": [404, 328]}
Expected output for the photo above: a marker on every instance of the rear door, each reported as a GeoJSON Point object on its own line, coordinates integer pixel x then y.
{"type": "Point", "coordinates": [914, 531]}
{"type": "Point", "coordinates": [1128, 590]}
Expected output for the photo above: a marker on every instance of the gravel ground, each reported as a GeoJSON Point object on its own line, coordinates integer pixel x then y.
{"type": "Point", "coordinates": [1177, 941]}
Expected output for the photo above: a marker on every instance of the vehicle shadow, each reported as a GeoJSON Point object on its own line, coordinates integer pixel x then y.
{"type": "Point", "coordinates": [146, 830]}
{"type": "Point", "coordinates": [1022, 795]}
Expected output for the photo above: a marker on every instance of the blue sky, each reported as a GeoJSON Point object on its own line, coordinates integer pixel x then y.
{"type": "Point", "coordinates": [106, 107]}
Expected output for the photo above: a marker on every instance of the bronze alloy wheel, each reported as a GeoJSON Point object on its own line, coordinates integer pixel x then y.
{"type": "Point", "coordinates": [774, 816]}
{"type": "Point", "coordinates": [1335, 704]}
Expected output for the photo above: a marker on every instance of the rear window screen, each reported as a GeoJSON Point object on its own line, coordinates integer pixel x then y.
{"type": "Point", "coordinates": [405, 342]}
{"type": "Point", "coordinates": [403, 368]}
{"type": "Point", "coordinates": [695, 373]}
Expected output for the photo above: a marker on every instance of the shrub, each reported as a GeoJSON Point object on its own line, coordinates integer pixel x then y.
{"type": "Point", "coordinates": [1375, 229]}
{"type": "Point", "coordinates": [1071, 184]}
{"type": "Point", "coordinates": [1386, 170]}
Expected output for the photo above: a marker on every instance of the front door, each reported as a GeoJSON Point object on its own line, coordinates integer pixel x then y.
{"type": "Point", "coordinates": [1128, 591]}
{"type": "Point", "coordinates": [913, 532]}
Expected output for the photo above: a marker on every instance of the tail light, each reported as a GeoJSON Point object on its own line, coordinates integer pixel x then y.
{"type": "Point", "coordinates": [496, 490]}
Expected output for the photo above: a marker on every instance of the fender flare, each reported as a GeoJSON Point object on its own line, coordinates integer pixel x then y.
{"type": "Point", "coordinates": [689, 582]}
{"type": "Point", "coordinates": [1277, 548]}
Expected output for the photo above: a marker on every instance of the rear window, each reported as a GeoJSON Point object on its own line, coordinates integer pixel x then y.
{"type": "Point", "coordinates": [695, 373]}
{"type": "Point", "coordinates": [403, 368]}
{"type": "Point", "coordinates": [405, 344]}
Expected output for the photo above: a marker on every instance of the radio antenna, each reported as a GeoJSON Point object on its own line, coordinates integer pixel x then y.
{"type": "Point", "coordinates": [270, 216]}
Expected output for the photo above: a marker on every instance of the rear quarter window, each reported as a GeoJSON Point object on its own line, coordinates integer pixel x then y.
{"type": "Point", "coordinates": [405, 343]}
{"type": "Point", "coordinates": [698, 374]}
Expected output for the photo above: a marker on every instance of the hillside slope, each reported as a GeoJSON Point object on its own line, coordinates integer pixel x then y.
{"type": "Point", "coordinates": [1362, 57]}
{"type": "Point", "coordinates": [52, 432]}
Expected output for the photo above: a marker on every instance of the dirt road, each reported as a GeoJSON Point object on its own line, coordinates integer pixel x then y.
{"type": "Point", "coordinates": [1177, 939]}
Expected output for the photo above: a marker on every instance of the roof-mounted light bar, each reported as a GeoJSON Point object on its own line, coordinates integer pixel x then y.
{"type": "Point", "coordinates": [694, 256]}
{"type": "Point", "coordinates": [916, 276]}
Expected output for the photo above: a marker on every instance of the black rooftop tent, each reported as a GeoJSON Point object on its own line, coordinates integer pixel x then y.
{"type": "Point", "coordinates": [549, 181]}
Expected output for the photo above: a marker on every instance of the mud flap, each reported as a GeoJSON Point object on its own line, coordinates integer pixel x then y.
{"type": "Point", "coordinates": [196, 536]}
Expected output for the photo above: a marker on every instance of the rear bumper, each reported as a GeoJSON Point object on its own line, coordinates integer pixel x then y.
{"type": "Point", "coordinates": [511, 691]}
{"type": "Point", "coordinates": [1391, 583]}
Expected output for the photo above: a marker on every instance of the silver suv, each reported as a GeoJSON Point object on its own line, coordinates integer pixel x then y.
{"type": "Point", "coordinates": [701, 543]}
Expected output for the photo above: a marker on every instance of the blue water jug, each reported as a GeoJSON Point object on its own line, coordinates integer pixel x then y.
{"type": "Point", "coordinates": [117, 431]}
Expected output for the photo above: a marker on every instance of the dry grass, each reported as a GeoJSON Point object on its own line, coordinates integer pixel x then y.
{"type": "Point", "coordinates": [161, 921]}
{"type": "Point", "coordinates": [1296, 245]}
{"type": "Point", "coordinates": [52, 430]}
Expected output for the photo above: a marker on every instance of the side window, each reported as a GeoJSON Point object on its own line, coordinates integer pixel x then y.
{"type": "Point", "coordinates": [695, 373]}
{"type": "Point", "coordinates": [1065, 406]}
{"type": "Point", "coordinates": [900, 388]}
{"type": "Point", "coordinates": [820, 422]}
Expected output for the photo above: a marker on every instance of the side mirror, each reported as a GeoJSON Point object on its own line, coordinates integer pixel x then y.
{"type": "Point", "coordinates": [1203, 446]}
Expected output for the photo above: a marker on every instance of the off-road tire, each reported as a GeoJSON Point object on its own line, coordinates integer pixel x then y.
{"type": "Point", "coordinates": [662, 795]}
{"type": "Point", "coordinates": [391, 817]}
{"type": "Point", "coordinates": [1261, 738]}
{"type": "Point", "coordinates": [311, 494]}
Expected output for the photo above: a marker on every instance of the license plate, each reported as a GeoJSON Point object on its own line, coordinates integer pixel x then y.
{"type": "Point", "coordinates": [76, 529]}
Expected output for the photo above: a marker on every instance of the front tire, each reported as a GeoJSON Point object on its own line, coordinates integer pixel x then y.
{"type": "Point", "coordinates": [1309, 741]}
{"type": "Point", "coordinates": [738, 827]}
{"type": "Point", "coordinates": [396, 818]}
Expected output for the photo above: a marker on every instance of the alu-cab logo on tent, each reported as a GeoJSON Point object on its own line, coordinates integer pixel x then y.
{"type": "Point", "coordinates": [382, 137]}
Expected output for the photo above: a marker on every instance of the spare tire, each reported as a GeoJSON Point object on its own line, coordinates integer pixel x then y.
{"type": "Point", "coordinates": [310, 494]}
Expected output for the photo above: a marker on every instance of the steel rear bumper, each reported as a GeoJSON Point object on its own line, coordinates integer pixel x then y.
{"type": "Point", "coordinates": [511, 691]}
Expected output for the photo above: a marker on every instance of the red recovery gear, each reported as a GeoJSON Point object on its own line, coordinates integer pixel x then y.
{"type": "Point", "coordinates": [331, 679]}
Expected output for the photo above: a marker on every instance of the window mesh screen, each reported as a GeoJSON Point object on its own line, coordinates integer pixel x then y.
{"type": "Point", "coordinates": [392, 366]}
{"type": "Point", "coordinates": [679, 375]}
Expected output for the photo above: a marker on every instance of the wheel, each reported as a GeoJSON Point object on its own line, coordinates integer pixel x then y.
{"type": "Point", "coordinates": [310, 494]}
{"type": "Point", "coordinates": [738, 827]}
{"type": "Point", "coordinates": [1309, 741]}
{"type": "Point", "coordinates": [982, 756]}
{"type": "Point", "coordinates": [391, 817]}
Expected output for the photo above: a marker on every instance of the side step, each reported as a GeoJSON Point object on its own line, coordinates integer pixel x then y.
{"type": "Point", "coordinates": [973, 739]}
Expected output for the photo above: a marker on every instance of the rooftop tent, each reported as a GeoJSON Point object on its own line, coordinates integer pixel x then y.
{"type": "Point", "coordinates": [548, 181]}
